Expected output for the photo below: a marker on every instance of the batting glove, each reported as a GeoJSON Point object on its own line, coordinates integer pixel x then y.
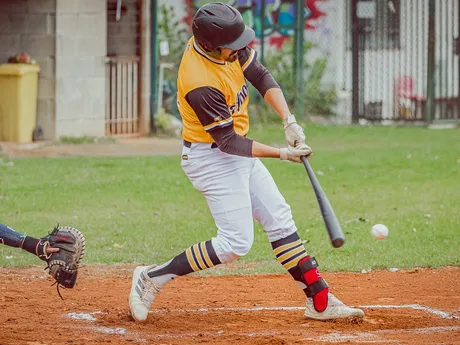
{"type": "Point", "coordinates": [293, 154]}
{"type": "Point", "coordinates": [293, 132]}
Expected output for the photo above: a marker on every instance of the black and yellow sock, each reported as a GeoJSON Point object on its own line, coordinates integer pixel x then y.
{"type": "Point", "coordinates": [198, 257]}
{"type": "Point", "coordinates": [289, 251]}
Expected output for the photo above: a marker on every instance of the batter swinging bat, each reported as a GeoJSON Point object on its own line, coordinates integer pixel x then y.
{"type": "Point", "coordinates": [330, 220]}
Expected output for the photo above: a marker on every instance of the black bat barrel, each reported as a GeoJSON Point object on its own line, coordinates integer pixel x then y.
{"type": "Point", "coordinates": [330, 220]}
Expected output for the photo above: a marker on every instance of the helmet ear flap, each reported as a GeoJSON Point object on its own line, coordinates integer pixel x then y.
{"type": "Point", "coordinates": [208, 49]}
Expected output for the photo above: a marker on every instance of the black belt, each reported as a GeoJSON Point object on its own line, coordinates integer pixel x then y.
{"type": "Point", "coordinates": [189, 144]}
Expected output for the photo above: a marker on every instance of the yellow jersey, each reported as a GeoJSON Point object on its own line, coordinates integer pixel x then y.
{"type": "Point", "coordinates": [217, 88]}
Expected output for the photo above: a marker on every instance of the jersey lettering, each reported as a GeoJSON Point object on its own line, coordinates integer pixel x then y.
{"type": "Point", "coordinates": [240, 98]}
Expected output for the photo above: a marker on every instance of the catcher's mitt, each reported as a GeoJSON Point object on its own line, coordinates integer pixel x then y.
{"type": "Point", "coordinates": [63, 265]}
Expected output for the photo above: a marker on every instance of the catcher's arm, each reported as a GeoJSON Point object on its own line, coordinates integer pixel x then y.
{"type": "Point", "coordinates": [63, 249]}
{"type": "Point", "coordinates": [38, 246]}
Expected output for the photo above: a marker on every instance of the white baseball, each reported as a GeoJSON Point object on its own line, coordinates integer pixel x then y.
{"type": "Point", "coordinates": [379, 231]}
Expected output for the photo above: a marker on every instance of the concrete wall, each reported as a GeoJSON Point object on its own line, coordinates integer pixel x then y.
{"type": "Point", "coordinates": [81, 47]}
{"type": "Point", "coordinates": [29, 25]}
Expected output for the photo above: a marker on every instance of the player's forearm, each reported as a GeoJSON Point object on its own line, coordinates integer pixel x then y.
{"type": "Point", "coordinates": [264, 151]}
{"type": "Point", "coordinates": [230, 142]}
{"type": "Point", "coordinates": [275, 98]}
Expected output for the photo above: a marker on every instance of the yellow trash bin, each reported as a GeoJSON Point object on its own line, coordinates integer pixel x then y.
{"type": "Point", "coordinates": [18, 101]}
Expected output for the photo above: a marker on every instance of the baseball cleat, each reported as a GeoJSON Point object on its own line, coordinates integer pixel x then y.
{"type": "Point", "coordinates": [143, 293]}
{"type": "Point", "coordinates": [336, 309]}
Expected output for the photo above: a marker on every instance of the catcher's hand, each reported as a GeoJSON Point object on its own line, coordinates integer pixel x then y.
{"type": "Point", "coordinates": [63, 265]}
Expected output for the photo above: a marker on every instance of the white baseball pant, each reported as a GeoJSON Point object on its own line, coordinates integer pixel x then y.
{"type": "Point", "coordinates": [237, 189]}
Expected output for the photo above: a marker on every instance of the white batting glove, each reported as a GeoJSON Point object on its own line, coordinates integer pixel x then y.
{"type": "Point", "coordinates": [293, 154]}
{"type": "Point", "coordinates": [293, 132]}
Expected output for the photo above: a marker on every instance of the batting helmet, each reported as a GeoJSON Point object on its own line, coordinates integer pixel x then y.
{"type": "Point", "coordinates": [220, 25]}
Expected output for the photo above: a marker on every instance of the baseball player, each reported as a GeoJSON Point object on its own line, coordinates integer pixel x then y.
{"type": "Point", "coordinates": [36, 246]}
{"type": "Point", "coordinates": [223, 164]}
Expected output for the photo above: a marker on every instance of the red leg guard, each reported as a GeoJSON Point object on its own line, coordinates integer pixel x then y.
{"type": "Point", "coordinates": [317, 287]}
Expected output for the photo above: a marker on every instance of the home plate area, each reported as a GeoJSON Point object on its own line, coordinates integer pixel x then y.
{"type": "Point", "coordinates": [406, 307]}
{"type": "Point", "coordinates": [268, 325]}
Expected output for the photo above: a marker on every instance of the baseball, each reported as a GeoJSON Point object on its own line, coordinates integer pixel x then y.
{"type": "Point", "coordinates": [379, 231]}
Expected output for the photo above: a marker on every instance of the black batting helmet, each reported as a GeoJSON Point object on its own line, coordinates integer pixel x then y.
{"type": "Point", "coordinates": [220, 25]}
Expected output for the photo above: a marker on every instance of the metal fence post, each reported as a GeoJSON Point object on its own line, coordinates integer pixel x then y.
{"type": "Point", "coordinates": [355, 32]}
{"type": "Point", "coordinates": [262, 31]}
{"type": "Point", "coordinates": [429, 116]}
{"type": "Point", "coordinates": [153, 62]}
{"type": "Point", "coordinates": [457, 51]}
{"type": "Point", "coordinates": [299, 57]}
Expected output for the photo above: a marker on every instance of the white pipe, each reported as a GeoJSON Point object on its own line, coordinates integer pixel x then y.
{"type": "Point", "coordinates": [163, 65]}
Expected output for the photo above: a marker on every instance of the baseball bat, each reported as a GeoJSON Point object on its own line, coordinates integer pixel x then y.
{"type": "Point", "coordinates": [330, 220]}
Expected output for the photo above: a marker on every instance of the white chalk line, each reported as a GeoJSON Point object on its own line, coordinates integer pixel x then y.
{"type": "Point", "coordinates": [110, 331]}
{"type": "Point", "coordinates": [436, 312]}
{"type": "Point", "coordinates": [207, 310]}
{"type": "Point", "coordinates": [372, 336]}
{"type": "Point", "coordinates": [143, 338]}
{"type": "Point", "coordinates": [332, 337]}
{"type": "Point", "coordinates": [83, 316]}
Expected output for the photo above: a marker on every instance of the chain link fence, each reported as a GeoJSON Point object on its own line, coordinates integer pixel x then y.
{"type": "Point", "coordinates": [394, 68]}
{"type": "Point", "coordinates": [365, 60]}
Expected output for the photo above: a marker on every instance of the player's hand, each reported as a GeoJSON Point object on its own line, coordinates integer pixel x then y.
{"type": "Point", "coordinates": [293, 132]}
{"type": "Point", "coordinates": [293, 154]}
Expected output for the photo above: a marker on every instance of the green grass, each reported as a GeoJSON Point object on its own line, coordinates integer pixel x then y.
{"type": "Point", "coordinates": [86, 140]}
{"type": "Point", "coordinates": [144, 209]}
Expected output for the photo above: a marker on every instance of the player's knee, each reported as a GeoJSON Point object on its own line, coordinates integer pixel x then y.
{"type": "Point", "coordinates": [241, 246]}
{"type": "Point", "coordinates": [230, 249]}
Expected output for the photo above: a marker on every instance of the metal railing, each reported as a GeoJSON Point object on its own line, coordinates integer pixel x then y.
{"type": "Point", "coordinates": [122, 96]}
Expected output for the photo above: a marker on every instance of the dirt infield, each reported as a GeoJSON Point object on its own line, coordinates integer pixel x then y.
{"type": "Point", "coordinates": [404, 307]}
{"type": "Point", "coordinates": [122, 147]}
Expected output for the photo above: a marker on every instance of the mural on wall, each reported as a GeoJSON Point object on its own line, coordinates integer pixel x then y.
{"type": "Point", "coordinates": [277, 12]}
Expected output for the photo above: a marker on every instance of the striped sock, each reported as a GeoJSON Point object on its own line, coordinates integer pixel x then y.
{"type": "Point", "coordinates": [289, 251]}
{"type": "Point", "coordinates": [198, 257]}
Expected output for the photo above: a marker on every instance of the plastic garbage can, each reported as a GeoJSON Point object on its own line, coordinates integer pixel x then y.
{"type": "Point", "coordinates": [18, 101]}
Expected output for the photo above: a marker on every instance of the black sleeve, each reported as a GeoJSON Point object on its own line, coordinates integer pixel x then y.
{"type": "Point", "coordinates": [230, 142]}
{"type": "Point", "coordinates": [255, 72]}
{"type": "Point", "coordinates": [210, 106]}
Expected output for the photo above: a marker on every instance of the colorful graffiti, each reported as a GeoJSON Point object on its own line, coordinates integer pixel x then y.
{"type": "Point", "coordinates": [278, 15]}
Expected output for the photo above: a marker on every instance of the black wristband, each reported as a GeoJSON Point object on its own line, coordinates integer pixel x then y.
{"type": "Point", "coordinates": [30, 244]}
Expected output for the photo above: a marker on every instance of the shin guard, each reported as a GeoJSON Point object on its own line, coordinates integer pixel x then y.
{"type": "Point", "coordinates": [317, 288]}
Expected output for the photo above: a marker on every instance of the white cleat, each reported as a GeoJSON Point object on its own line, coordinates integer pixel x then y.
{"type": "Point", "coordinates": [143, 293]}
{"type": "Point", "coordinates": [336, 309]}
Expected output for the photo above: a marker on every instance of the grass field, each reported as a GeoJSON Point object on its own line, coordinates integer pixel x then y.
{"type": "Point", "coordinates": [144, 210]}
